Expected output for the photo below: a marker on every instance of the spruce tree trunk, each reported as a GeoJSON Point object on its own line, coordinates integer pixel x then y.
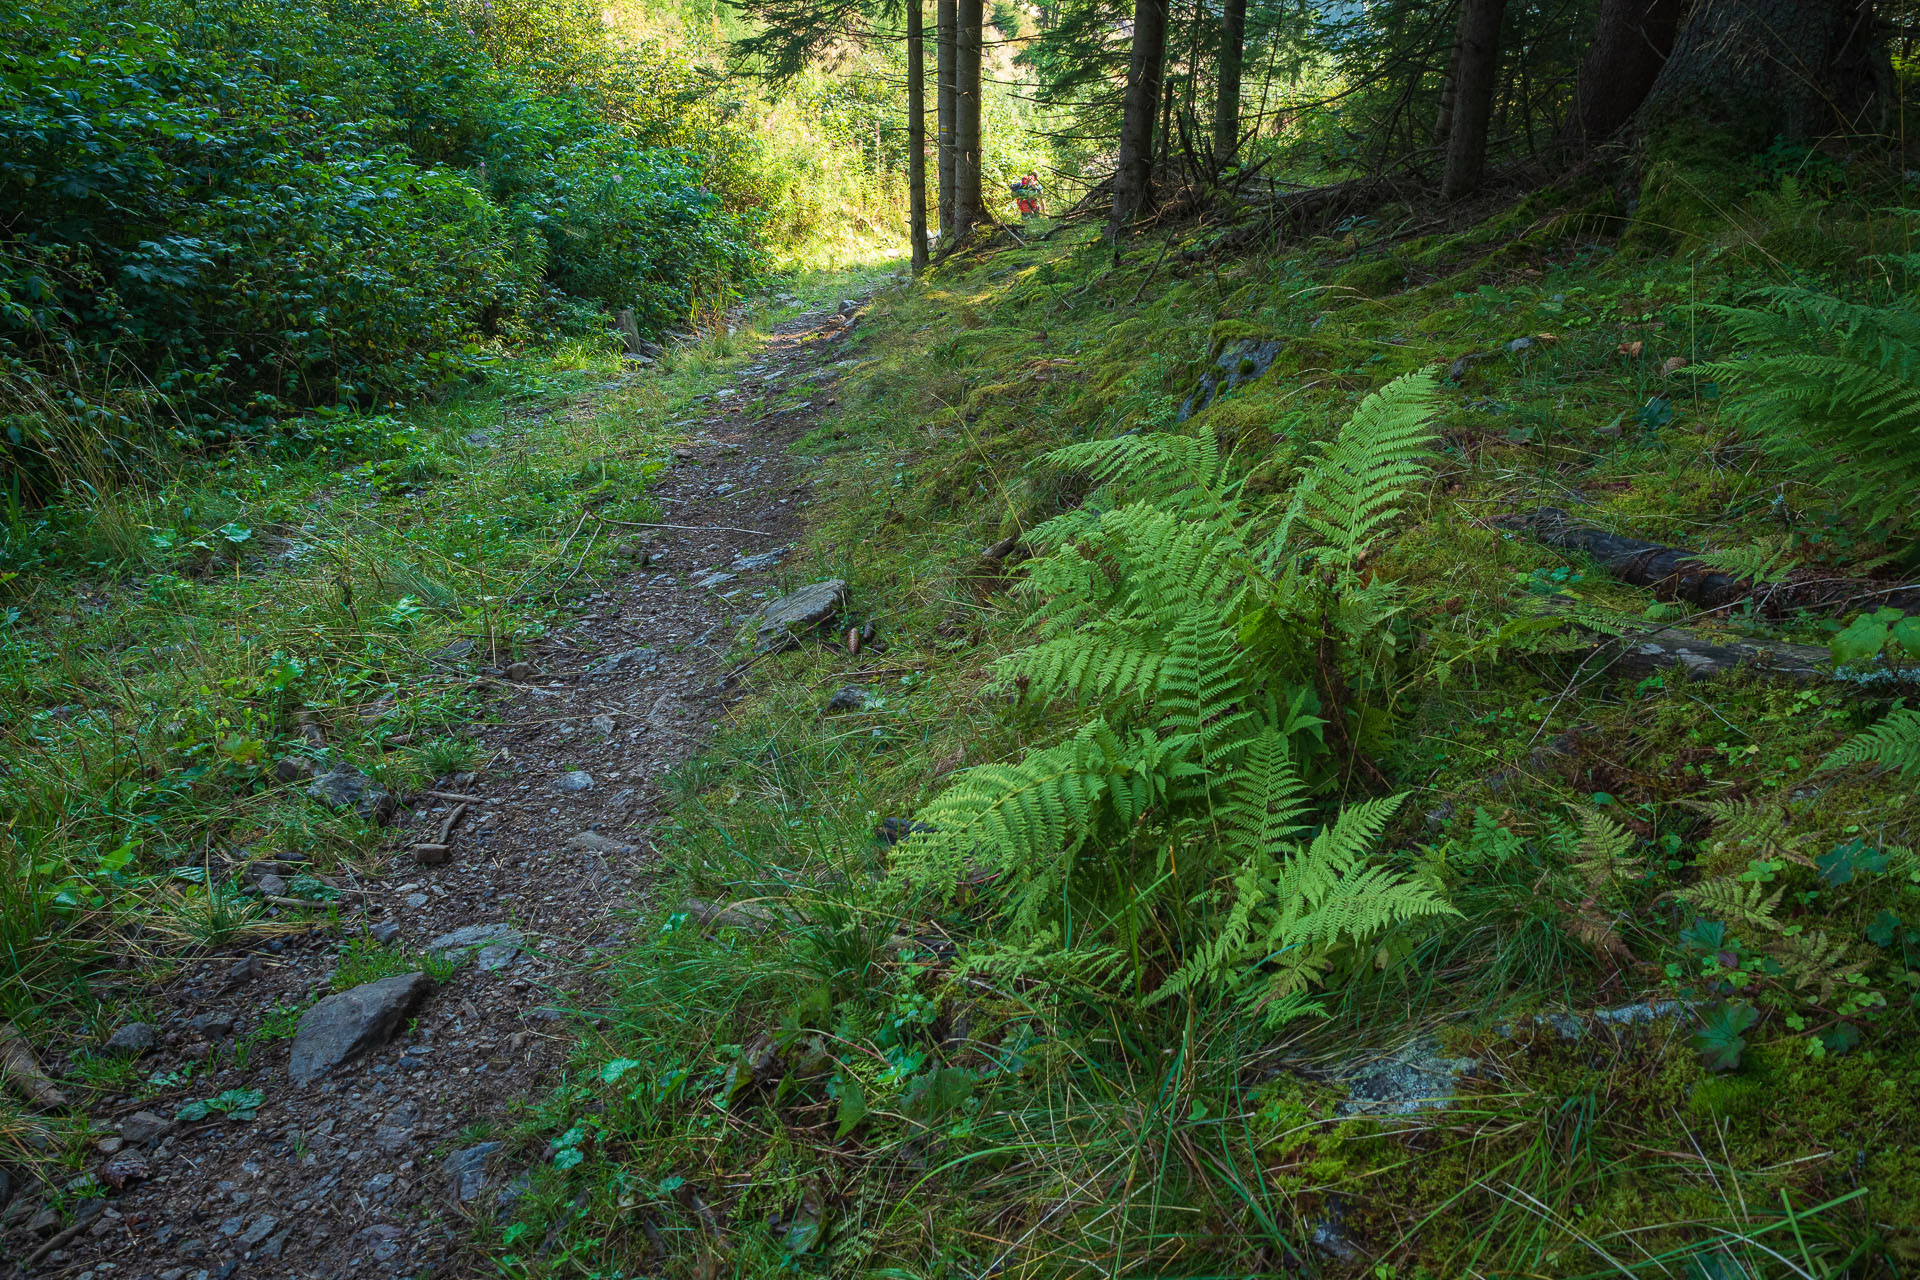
{"type": "Point", "coordinates": [1443, 119]}
{"type": "Point", "coordinates": [1802, 68]}
{"type": "Point", "coordinates": [943, 92]}
{"type": "Point", "coordinates": [1476, 76]}
{"type": "Point", "coordinates": [967, 203]}
{"type": "Point", "coordinates": [1133, 176]}
{"type": "Point", "coordinates": [1226, 103]}
{"type": "Point", "coordinates": [917, 133]}
{"type": "Point", "coordinates": [1631, 40]}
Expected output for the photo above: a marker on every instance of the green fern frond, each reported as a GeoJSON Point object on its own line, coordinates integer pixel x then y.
{"type": "Point", "coordinates": [1351, 492]}
{"type": "Point", "coordinates": [1766, 562]}
{"type": "Point", "coordinates": [1730, 899]}
{"type": "Point", "coordinates": [1605, 849]}
{"type": "Point", "coordinates": [1823, 377]}
{"type": "Point", "coordinates": [1894, 743]}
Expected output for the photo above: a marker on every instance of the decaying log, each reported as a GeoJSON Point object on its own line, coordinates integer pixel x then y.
{"type": "Point", "coordinates": [1676, 573]}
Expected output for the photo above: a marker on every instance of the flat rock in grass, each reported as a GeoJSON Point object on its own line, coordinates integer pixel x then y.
{"type": "Point", "coordinates": [784, 620]}
{"type": "Point", "coordinates": [755, 563]}
{"type": "Point", "coordinates": [1416, 1077]}
{"type": "Point", "coordinates": [135, 1038]}
{"type": "Point", "coordinates": [346, 1025]}
{"type": "Point", "coordinates": [346, 788]}
{"type": "Point", "coordinates": [497, 944]}
{"type": "Point", "coordinates": [851, 697]}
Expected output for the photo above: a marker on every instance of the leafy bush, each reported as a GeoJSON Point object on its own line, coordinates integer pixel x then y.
{"type": "Point", "coordinates": [226, 218]}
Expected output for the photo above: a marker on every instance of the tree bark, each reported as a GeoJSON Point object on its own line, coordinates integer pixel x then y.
{"type": "Point", "coordinates": [967, 194]}
{"type": "Point", "coordinates": [1443, 119]}
{"type": "Point", "coordinates": [1133, 176]}
{"type": "Point", "coordinates": [1476, 76]}
{"type": "Point", "coordinates": [1226, 103]}
{"type": "Point", "coordinates": [1631, 41]}
{"type": "Point", "coordinates": [943, 26]}
{"type": "Point", "coordinates": [1802, 68]}
{"type": "Point", "coordinates": [917, 133]}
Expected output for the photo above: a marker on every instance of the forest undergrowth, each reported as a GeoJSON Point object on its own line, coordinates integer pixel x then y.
{"type": "Point", "coordinates": [1208, 781]}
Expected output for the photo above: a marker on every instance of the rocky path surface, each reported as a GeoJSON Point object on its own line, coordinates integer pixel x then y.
{"type": "Point", "coordinates": [379, 1133]}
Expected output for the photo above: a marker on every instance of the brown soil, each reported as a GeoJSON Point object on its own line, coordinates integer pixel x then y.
{"type": "Point", "coordinates": [358, 1173]}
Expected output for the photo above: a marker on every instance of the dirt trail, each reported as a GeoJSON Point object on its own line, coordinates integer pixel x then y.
{"type": "Point", "coordinates": [375, 1167]}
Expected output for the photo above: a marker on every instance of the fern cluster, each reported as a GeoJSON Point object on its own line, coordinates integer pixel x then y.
{"type": "Point", "coordinates": [1830, 382]}
{"type": "Point", "coordinates": [1174, 829]}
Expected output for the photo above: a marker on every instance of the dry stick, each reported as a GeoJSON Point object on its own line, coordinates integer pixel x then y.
{"type": "Point", "coordinates": [454, 797]}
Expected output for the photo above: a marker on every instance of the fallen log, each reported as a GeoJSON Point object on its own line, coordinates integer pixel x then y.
{"type": "Point", "coordinates": [1677, 573]}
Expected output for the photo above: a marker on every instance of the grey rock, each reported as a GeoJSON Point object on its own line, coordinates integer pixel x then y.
{"type": "Point", "coordinates": [711, 579]}
{"type": "Point", "coordinates": [467, 1170]}
{"type": "Point", "coordinates": [1518, 345]}
{"type": "Point", "coordinates": [242, 971]}
{"type": "Point", "coordinates": [384, 932]}
{"type": "Point", "coordinates": [851, 697]}
{"type": "Point", "coordinates": [1414, 1078]}
{"type": "Point", "coordinates": [271, 885]}
{"type": "Point", "coordinates": [1239, 362]}
{"type": "Point", "coordinates": [134, 1037]}
{"type": "Point", "coordinates": [347, 788]}
{"type": "Point", "coordinates": [274, 1247]}
{"type": "Point", "coordinates": [453, 652]}
{"type": "Point", "coordinates": [143, 1127]}
{"type": "Point", "coordinates": [784, 620]}
{"type": "Point", "coordinates": [496, 957]}
{"type": "Point", "coordinates": [380, 1241]}
{"type": "Point", "coordinates": [627, 660]}
{"type": "Point", "coordinates": [755, 563]}
{"type": "Point", "coordinates": [511, 1193]}
{"type": "Point", "coordinates": [605, 724]}
{"type": "Point", "coordinates": [574, 780]}
{"type": "Point", "coordinates": [417, 900]}
{"type": "Point", "coordinates": [1640, 1015]}
{"type": "Point", "coordinates": [292, 768]}
{"type": "Point", "coordinates": [474, 936]}
{"type": "Point", "coordinates": [348, 1024]}
{"type": "Point", "coordinates": [217, 1023]}
{"type": "Point", "coordinates": [44, 1221]}
{"type": "Point", "coordinates": [396, 1128]}
{"type": "Point", "coordinates": [594, 842]}
{"type": "Point", "coordinates": [262, 1227]}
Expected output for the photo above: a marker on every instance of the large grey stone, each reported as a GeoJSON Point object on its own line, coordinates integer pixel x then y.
{"type": "Point", "coordinates": [785, 619]}
{"type": "Point", "coordinates": [346, 1025]}
{"type": "Point", "coordinates": [347, 788]}
{"type": "Point", "coordinates": [1239, 361]}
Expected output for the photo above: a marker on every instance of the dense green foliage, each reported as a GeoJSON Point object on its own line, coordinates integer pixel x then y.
{"type": "Point", "coordinates": [219, 217]}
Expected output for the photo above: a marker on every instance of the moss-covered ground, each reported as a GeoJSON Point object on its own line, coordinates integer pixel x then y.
{"type": "Point", "coordinates": [846, 1097]}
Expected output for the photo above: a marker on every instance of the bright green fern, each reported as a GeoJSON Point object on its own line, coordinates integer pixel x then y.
{"type": "Point", "coordinates": [1174, 830]}
{"type": "Point", "coordinates": [1894, 743]}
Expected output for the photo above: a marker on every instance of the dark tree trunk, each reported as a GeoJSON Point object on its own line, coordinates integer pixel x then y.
{"type": "Point", "coordinates": [1802, 68]}
{"type": "Point", "coordinates": [1631, 39]}
{"type": "Point", "coordinates": [967, 203]}
{"type": "Point", "coordinates": [943, 29]}
{"type": "Point", "coordinates": [1226, 103]}
{"type": "Point", "coordinates": [1476, 76]}
{"type": "Point", "coordinates": [1443, 119]}
{"type": "Point", "coordinates": [1133, 176]}
{"type": "Point", "coordinates": [917, 133]}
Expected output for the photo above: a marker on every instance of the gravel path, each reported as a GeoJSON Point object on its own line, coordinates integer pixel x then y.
{"type": "Point", "coordinates": [374, 1164]}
